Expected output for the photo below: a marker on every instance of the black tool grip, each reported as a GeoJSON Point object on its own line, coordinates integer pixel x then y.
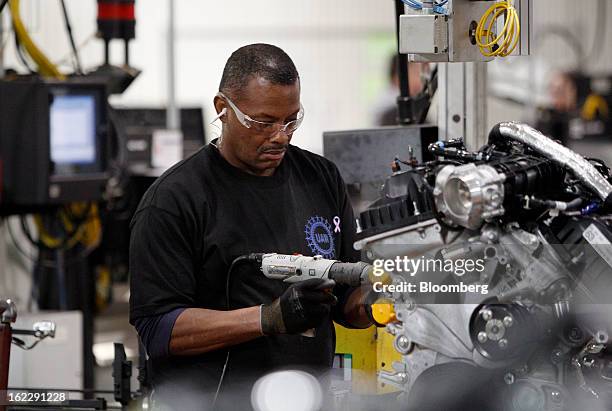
{"type": "Point", "coordinates": [352, 274]}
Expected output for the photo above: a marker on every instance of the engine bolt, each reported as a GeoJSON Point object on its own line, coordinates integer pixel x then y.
{"type": "Point", "coordinates": [509, 378]}
{"type": "Point", "coordinates": [588, 361]}
{"type": "Point", "coordinates": [575, 334]}
{"type": "Point", "coordinates": [508, 321]}
{"type": "Point", "coordinates": [482, 337]}
{"type": "Point", "coordinates": [556, 356]}
{"type": "Point", "coordinates": [403, 342]}
{"type": "Point", "coordinates": [503, 343]}
{"type": "Point", "coordinates": [486, 315]}
{"type": "Point", "coordinates": [555, 396]}
{"type": "Point", "coordinates": [602, 337]}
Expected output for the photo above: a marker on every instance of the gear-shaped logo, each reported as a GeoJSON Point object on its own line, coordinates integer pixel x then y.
{"type": "Point", "coordinates": [319, 237]}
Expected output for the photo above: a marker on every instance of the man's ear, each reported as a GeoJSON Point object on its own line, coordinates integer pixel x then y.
{"type": "Point", "coordinates": [220, 108]}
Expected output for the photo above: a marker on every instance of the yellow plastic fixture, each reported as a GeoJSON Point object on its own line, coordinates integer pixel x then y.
{"type": "Point", "coordinates": [383, 312]}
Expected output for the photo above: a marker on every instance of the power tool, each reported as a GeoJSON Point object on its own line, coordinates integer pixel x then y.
{"type": "Point", "coordinates": [296, 268]}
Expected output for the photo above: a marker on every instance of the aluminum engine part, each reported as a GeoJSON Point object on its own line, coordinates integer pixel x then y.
{"type": "Point", "coordinates": [469, 195]}
{"type": "Point", "coordinates": [563, 156]}
{"type": "Point", "coordinates": [411, 241]}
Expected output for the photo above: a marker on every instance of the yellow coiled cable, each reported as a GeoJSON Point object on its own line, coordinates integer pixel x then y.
{"type": "Point", "coordinates": [505, 43]}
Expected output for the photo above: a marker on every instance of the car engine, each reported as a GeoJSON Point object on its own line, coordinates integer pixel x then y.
{"type": "Point", "coordinates": [534, 314]}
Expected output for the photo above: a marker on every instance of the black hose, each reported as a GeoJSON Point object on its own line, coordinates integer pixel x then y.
{"type": "Point", "coordinates": [246, 258]}
{"type": "Point", "coordinates": [404, 102]}
{"type": "Point", "coordinates": [77, 60]}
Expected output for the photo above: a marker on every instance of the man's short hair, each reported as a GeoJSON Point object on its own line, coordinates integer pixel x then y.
{"type": "Point", "coordinates": [264, 60]}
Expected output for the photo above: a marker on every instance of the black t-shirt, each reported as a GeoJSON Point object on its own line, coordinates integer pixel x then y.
{"type": "Point", "coordinates": [202, 214]}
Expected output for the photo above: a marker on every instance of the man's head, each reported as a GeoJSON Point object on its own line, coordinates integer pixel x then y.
{"type": "Point", "coordinates": [260, 86]}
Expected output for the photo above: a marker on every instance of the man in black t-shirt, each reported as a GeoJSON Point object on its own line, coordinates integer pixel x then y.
{"type": "Point", "coordinates": [249, 191]}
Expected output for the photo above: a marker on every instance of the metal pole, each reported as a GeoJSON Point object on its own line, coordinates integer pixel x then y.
{"type": "Point", "coordinates": [106, 52]}
{"type": "Point", "coordinates": [173, 119]}
{"type": "Point", "coordinates": [1, 43]}
{"type": "Point", "coordinates": [404, 102]}
{"type": "Point", "coordinates": [462, 103]}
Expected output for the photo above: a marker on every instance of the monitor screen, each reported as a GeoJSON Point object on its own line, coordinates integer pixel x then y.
{"type": "Point", "coordinates": [73, 129]}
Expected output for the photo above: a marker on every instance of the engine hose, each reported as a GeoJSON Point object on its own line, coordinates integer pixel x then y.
{"type": "Point", "coordinates": [580, 167]}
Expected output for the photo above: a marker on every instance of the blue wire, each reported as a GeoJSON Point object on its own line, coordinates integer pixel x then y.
{"type": "Point", "coordinates": [413, 4]}
{"type": "Point", "coordinates": [417, 5]}
{"type": "Point", "coordinates": [589, 209]}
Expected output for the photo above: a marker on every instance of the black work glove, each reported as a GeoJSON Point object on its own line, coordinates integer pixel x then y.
{"type": "Point", "coordinates": [302, 306]}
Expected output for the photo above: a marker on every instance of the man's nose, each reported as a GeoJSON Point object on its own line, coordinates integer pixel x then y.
{"type": "Point", "coordinates": [280, 137]}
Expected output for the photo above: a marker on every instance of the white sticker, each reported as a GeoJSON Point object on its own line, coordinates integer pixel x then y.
{"type": "Point", "coordinates": [167, 148]}
{"type": "Point", "coordinates": [599, 242]}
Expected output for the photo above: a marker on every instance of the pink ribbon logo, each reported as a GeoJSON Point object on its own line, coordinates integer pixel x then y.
{"type": "Point", "coordinates": [337, 224]}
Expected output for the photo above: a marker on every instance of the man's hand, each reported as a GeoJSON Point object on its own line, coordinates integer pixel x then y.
{"type": "Point", "coordinates": [302, 306]}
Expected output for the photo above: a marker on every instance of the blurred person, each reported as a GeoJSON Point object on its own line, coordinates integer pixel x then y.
{"type": "Point", "coordinates": [386, 112]}
{"type": "Point", "coordinates": [563, 92]}
{"type": "Point", "coordinates": [209, 336]}
{"type": "Point", "coordinates": [563, 96]}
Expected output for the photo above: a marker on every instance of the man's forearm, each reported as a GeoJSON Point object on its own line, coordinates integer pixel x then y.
{"type": "Point", "coordinates": [199, 330]}
{"type": "Point", "coordinates": [355, 309]}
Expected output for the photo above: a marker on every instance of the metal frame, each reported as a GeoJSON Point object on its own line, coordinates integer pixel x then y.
{"type": "Point", "coordinates": [462, 103]}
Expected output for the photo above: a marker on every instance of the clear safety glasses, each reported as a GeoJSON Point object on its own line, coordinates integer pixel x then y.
{"type": "Point", "coordinates": [265, 127]}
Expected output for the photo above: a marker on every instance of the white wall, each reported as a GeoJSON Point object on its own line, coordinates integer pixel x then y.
{"type": "Point", "coordinates": [340, 47]}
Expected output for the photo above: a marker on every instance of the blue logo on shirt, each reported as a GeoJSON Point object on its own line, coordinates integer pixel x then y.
{"type": "Point", "coordinates": [319, 237]}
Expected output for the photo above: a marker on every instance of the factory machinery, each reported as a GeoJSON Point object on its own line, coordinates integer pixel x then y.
{"type": "Point", "coordinates": [527, 326]}
{"type": "Point", "coordinates": [492, 265]}
{"type": "Point", "coordinates": [538, 216]}
{"type": "Point", "coordinates": [535, 319]}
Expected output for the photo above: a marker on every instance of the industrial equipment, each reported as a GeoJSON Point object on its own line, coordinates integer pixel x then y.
{"type": "Point", "coordinates": [465, 30]}
{"type": "Point", "coordinates": [54, 146]}
{"type": "Point", "coordinates": [139, 126]}
{"type": "Point", "coordinates": [32, 398]}
{"type": "Point", "coordinates": [116, 21]}
{"type": "Point", "coordinates": [536, 217]}
{"type": "Point", "coordinates": [363, 156]}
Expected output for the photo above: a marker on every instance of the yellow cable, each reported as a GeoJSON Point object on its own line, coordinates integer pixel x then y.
{"type": "Point", "coordinates": [45, 66]}
{"type": "Point", "coordinates": [89, 233]}
{"type": "Point", "coordinates": [507, 40]}
{"type": "Point", "coordinates": [44, 237]}
{"type": "Point", "coordinates": [92, 234]}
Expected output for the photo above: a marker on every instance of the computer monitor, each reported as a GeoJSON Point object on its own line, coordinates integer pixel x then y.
{"type": "Point", "coordinates": [72, 132]}
{"type": "Point", "coordinates": [54, 144]}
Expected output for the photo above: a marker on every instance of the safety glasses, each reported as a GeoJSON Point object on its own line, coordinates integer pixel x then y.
{"type": "Point", "coordinates": [265, 127]}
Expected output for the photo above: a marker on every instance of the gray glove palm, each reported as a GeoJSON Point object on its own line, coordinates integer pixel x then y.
{"type": "Point", "coordinates": [302, 306]}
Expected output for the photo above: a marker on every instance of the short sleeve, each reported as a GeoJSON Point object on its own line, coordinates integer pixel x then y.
{"type": "Point", "coordinates": [162, 265]}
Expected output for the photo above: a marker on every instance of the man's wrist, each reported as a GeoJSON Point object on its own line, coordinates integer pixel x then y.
{"type": "Point", "coordinates": [261, 320]}
{"type": "Point", "coordinates": [272, 319]}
